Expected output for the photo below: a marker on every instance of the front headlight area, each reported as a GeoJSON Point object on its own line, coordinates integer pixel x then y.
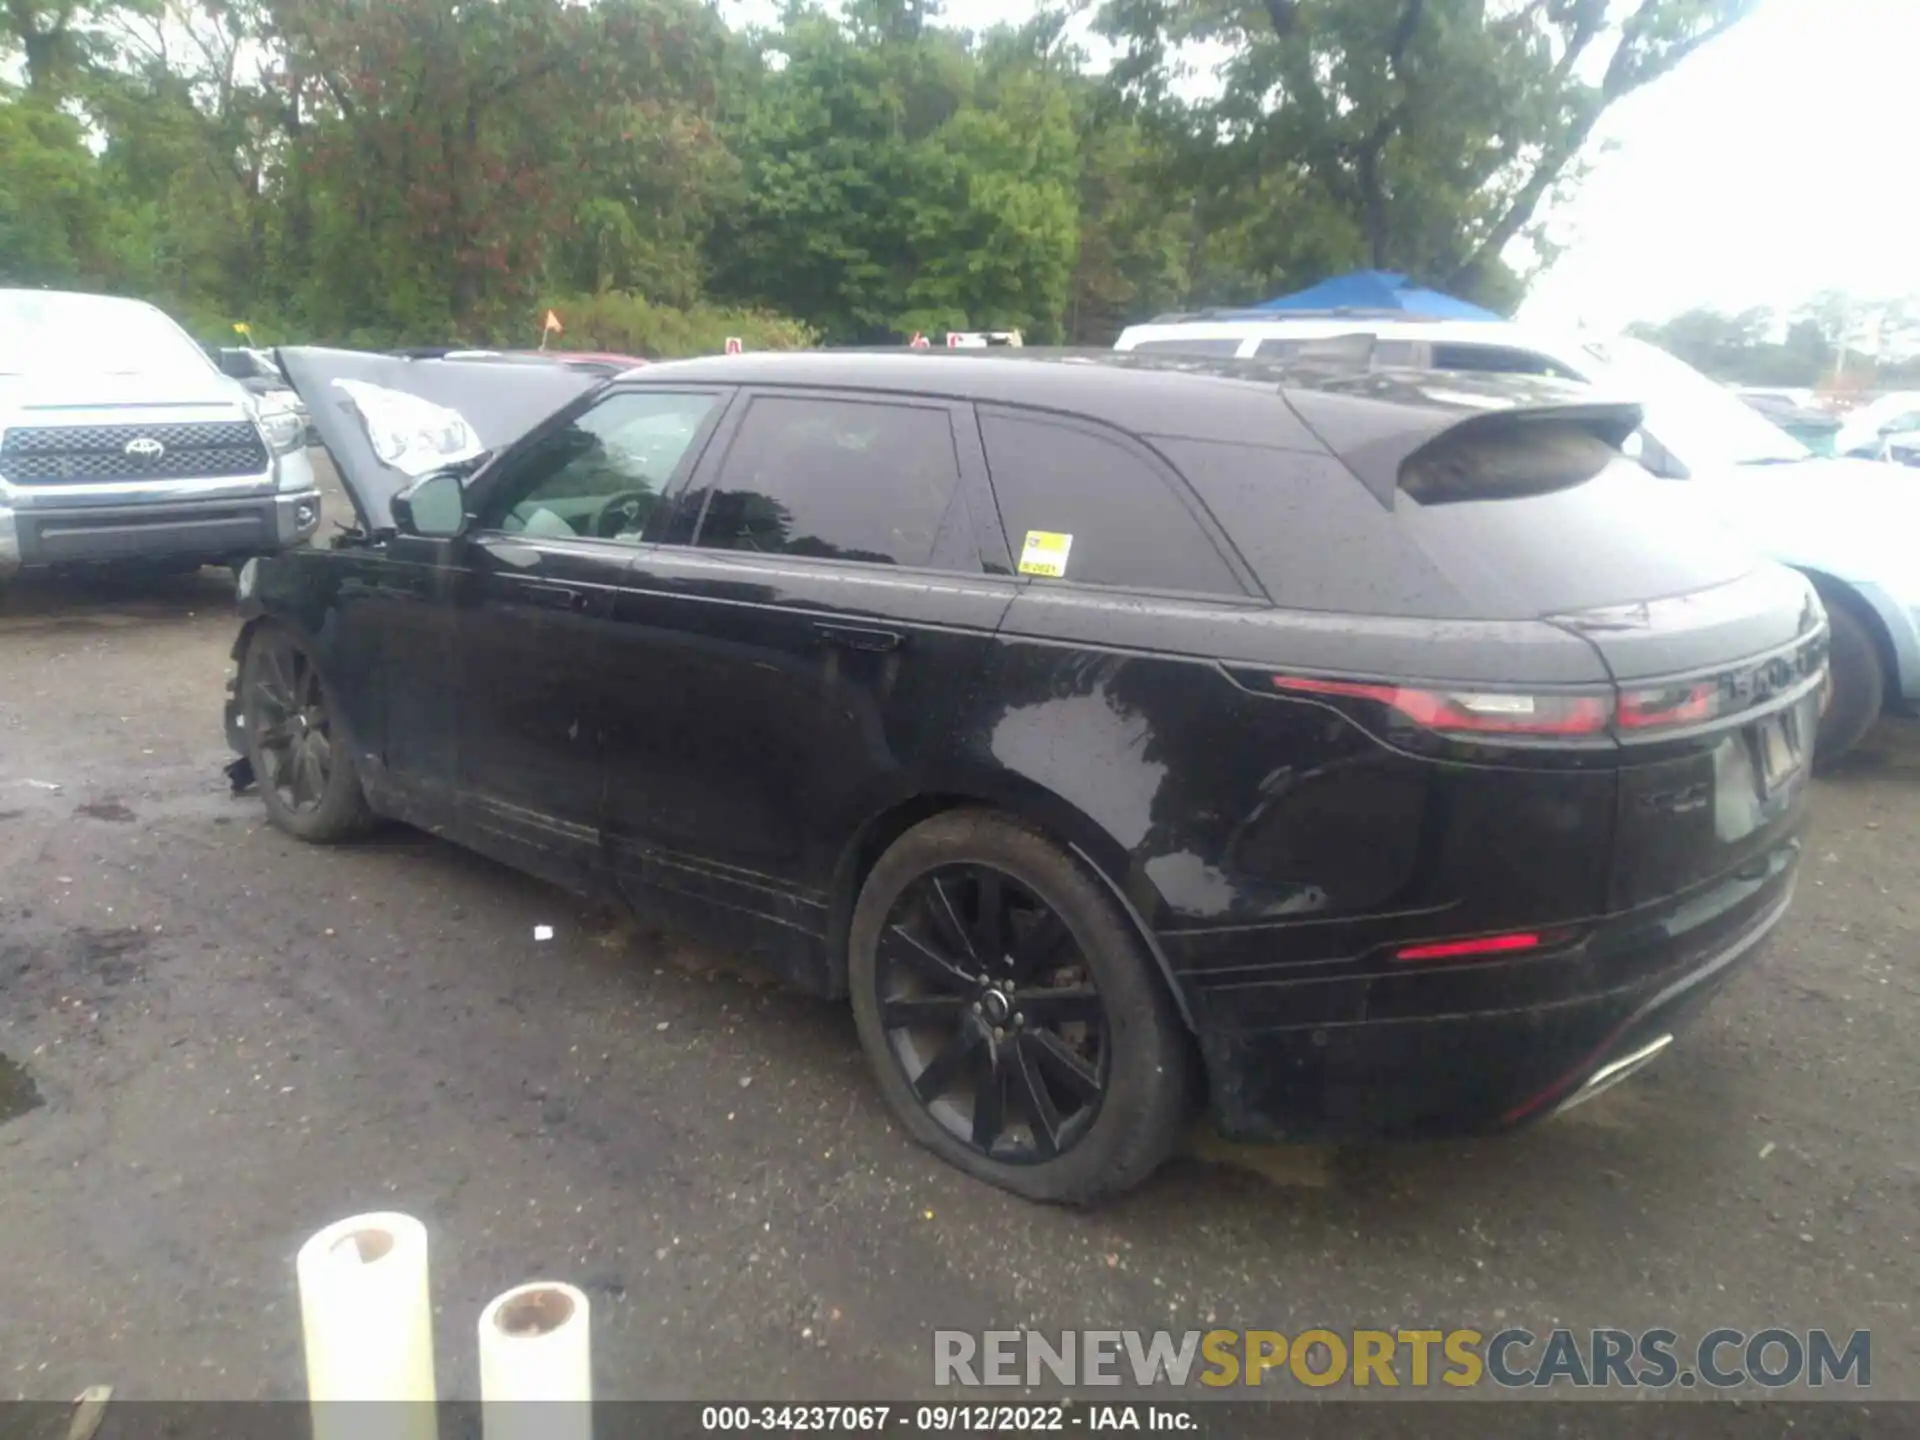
{"type": "Point", "coordinates": [284, 427]}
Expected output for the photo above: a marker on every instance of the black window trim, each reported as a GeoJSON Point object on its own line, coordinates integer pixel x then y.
{"type": "Point", "coordinates": [680, 521]}
{"type": "Point", "coordinates": [485, 486]}
{"type": "Point", "coordinates": [1254, 594]}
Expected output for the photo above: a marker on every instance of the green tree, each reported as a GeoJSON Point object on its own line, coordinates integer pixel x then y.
{"type": "Point", "coordinates": [1415, 135]}
{"type": "Point", "coordinates": [893, 179]}
{"type": "Point", "coordinates": [55, 219]}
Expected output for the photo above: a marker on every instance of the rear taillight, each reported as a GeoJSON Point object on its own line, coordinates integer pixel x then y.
{"type": "Point", "coordinates": [1641, 710]}
{"type": "Point", "coordinates": [1472, 712]}
{"type": "Point", "coordinates": [1495, 713]}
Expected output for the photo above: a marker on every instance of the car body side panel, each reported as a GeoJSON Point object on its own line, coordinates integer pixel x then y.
{"type": "Point", "coordinates": [529, 630]}
{"type": "Point", "coordinates": [760, 711]}
{"type": "Point", "coordinates": [1242, 813]}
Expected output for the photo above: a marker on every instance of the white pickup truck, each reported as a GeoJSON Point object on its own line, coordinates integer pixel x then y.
{"type": "Point", "coordinates": [121, 443]}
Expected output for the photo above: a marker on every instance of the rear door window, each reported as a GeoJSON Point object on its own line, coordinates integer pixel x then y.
{"type": "Point", "coordinates": [870, 481]}
{"type": "Point", "coordinates": [1099, 506]}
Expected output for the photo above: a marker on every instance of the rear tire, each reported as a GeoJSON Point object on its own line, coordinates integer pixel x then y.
{"type": "Point", "coordinates": [1858, 687]}
{"type": "Point", "coordinates": [1047, 1058]}
{"type": "Point", "coordinates": [300, 761]}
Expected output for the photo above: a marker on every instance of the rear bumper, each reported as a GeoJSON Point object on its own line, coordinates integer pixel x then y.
{"type": "Point", "coordinates": [1585, 1020]}
{"type": "Point", "coordinates": [208, 530]}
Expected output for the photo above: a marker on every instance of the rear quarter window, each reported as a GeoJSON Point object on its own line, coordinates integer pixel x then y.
{"type": "Point", "coordinates": [1313, 535]}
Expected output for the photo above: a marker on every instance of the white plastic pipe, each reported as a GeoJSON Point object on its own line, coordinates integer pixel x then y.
{"type": "Point", "coordinates": [368, 1327]}
{"type": "Point", "coordinates": [536, 1364]}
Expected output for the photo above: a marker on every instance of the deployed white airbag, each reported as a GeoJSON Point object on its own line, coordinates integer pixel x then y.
{"type": "Point", "coordinates": [411, 435]}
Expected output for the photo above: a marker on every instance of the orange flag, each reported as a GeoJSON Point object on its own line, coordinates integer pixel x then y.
{"type": "Point", "coordinates": [553, 325]}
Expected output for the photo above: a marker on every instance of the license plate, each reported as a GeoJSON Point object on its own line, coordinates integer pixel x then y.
{"type": "Point", "coordinates": [1780, 756]}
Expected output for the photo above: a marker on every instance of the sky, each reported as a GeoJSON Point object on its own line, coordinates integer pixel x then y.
{"type": "Point", "coordinates": [1774, 164]}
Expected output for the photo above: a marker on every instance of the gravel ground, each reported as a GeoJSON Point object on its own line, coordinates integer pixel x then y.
{"type": "Point", "coordinates": [236, 1040]}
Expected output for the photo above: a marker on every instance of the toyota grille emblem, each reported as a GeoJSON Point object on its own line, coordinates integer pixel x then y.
{"type": "Point", "coordinates": [145, 448]}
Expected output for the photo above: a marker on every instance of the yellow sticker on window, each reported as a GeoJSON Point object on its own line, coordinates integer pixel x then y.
{"type": "Point", "coordinates": [1045, 553]}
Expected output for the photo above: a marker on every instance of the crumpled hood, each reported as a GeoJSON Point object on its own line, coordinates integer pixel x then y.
{"type": "Point", "coordinates": [1856, 520]}
{"type": "Point", "coordinates": [84, 389]}
{"type": "Point", "coordinates": [383, 417]}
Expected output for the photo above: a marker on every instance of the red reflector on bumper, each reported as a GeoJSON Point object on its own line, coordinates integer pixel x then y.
{"type": "Point", "coordinates": [1463, 949]}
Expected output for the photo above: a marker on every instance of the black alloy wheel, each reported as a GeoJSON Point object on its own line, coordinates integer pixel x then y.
{"type": "Point", "coordinates": [294, 735]}
{"type": "Point", "coordinates": [305, 774]}
{"type": "Point", "coordinates": [992, 1013]}
{"type": "Point", "coordinates": [1015, 1019]}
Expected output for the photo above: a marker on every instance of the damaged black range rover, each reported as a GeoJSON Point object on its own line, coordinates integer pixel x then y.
{"type": "Point", "coordinates": [1354, 753]}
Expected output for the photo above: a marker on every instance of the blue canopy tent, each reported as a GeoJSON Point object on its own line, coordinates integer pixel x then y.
{"type": "Point", "coordinates": [1378, 290]}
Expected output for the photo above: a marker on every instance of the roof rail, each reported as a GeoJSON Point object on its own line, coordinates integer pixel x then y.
{"type": "Point", "coordinates": [1183, 317]}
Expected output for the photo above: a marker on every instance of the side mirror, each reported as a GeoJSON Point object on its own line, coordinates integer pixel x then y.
{"type": "Point", "coordinates": [434, 508]}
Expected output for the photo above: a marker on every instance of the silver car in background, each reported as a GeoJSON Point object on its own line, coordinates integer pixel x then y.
{"type": "Point", "coordinates": [121, 443]}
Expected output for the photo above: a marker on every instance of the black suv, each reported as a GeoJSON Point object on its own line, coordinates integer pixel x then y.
{"type": "Point", "coordinates": [1362, 754]}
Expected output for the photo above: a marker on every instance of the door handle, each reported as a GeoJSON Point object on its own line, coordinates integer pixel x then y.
{"type": "Point", "coordinates": [855, 637]}
{"type": "Point", "coordinates": [556, 597]}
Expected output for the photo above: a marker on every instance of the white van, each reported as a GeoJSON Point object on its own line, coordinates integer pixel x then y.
{"type": "Point", "coordinates": [1847, 524]}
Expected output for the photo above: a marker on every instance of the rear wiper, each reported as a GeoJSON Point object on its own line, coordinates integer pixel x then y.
{"type": "Point", "coordinates": [1772, 460]}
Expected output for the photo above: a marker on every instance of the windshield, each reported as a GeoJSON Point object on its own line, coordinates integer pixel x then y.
{"type": "Point", "coordinates": [48, 332]}
{"type": "Point", "coordinates": [1704, 426]}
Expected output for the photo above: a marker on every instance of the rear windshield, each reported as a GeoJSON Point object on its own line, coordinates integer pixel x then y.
{"type": "Point", "coordinates": [1319, 541]}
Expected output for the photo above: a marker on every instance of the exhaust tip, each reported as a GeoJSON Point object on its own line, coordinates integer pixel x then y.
{"type": "Point", "coordinates": [1613, 1072]}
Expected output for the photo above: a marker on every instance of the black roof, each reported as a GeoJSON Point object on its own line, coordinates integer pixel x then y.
{"type": "Point", "coordinates": [1371, 418]}
{"type": "Point", "coordinates": [1141, 391]}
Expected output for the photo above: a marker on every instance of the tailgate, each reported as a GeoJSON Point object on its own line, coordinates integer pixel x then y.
{"type": "Point", "coordinates": [1720, 696]}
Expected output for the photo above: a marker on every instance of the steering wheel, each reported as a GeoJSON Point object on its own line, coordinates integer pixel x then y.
{"type": "Point", "coordinates": [625, 512]}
